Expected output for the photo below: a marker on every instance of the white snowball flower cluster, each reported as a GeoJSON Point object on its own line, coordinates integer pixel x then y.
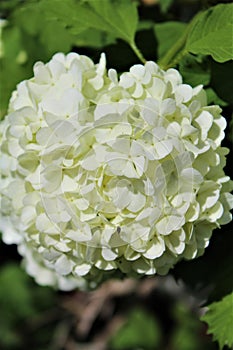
{"type": "Point", "coordinates": [104, 177]}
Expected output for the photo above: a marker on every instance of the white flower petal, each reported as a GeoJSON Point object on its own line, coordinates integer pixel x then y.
{"type": "Point", "coordinates": [169, 223]}
{"type": "Point", "coordinates": [82, 269]}
{"type": "Point", "coordinates": [155, 250]}
{"type": "Point", "coordinates": [63, 265]}
{"type": "Point", "coordinates": [108, 254]}
{"type": "Point", "coordinates": [204, 121]}
{"type": "Point", "coordinates": [81, 235]}
{"type": "Point", "coordinates": [183, 93]}
{"type": "Point", "coordinates": [68, 184]}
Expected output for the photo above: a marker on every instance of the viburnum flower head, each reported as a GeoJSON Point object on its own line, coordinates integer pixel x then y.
{"type": "Point", "coordinates": [104, 177]}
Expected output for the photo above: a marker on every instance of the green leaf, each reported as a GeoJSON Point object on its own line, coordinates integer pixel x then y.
{"type": "Point", "coordinates": [141, 330]}
{"type": "Point", "coordinates": [54, 37]}
{"type": "Point", "coordinates": [94, 38]}
{"type": "Point", "coordinates": [194, 71]}
{"type": "Point", "coordinates": [7, 6]}
{"type": "Point", "coordinates": [144, 25]}
{"type": "Point", "coordinates": [211, 33]}
{"type": "Point", "coordinates": [15, 296]}
{"type": "Point", "coordinates": [118, 18]}
{"type": "Point", "coordinates": [12, 67]}
{"type": "Point", "coordinates": [22, 304]}
{"type": "Point", "coordinates": [28, 17]}
{"type": "Point", "coordinates": [187, 329]}
{"type": "Point", "coordinates": [63, 24]}
{"type": "Point", "coordinates": [20, 52]}
{"type": "Point", "coordinates": [219, 318]}
{"type": "Point", "coordinates": [165, 4]}
{"type": "Point", "coordinates": [69, 13]}
{"type": "Point", "coordinates": [167, 34]}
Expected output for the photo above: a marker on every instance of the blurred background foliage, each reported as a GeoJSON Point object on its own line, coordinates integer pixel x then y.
{"type": "Point", "coordinates": [152, 313]}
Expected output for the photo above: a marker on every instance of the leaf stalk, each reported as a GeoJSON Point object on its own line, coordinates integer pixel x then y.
{"type": "Point", "coordinates": [178, 50]}
{"type": "Point", "coordinates": [137, 52]}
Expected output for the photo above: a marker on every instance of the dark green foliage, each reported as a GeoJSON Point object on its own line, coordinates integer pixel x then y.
{"type": "Point", "coordinates": [213, 271]}
{"type": "Point", "coordinates": [222, 84]}
{"type": "Point", "coordinates": [130, 335]}
{"type": "Point", "coordinates": [22, 305]}
{"type": "Point", "coordinates": [167, 34]}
